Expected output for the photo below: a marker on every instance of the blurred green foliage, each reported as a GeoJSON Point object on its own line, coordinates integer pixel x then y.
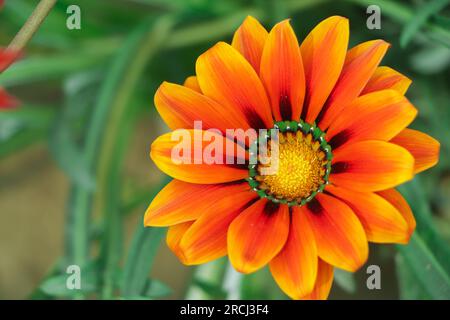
{"type": "Point", "coordinates": [84, 90]}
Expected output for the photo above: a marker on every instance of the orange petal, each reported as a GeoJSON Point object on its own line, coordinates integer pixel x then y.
{"type": "Point", "coordinates": [257, 235]}
{"type": "Point", "coordinates": [324, 282]}
{"type": "Point", "coordinates": [295, 267]}
{"type": "Point", "coordinates": [360, 64]}
{"type": "Point", "coordinates": [225, 76]}
{"type": "Point", "coordinates": [173, 238]}
{"type": "Point", "coordinates": [424, 148]}
{"type": "Point", "coordinates": [282, 72]}
{"type": "Point", "coordinates": [249, 40]}
{"type": "Point", "coordinates": [340, 237]}
{"type": "Point", "coordinates": [378, 115]}
{"type": "Point", "coordinates": [371, 166]}
{"type": "Point", "coordinates": [180, 201]}
{"type": "Point", "coordinates": [180, 106]}
{"type": "Point", "coordinates": [397, 200]}
{"type": "Point", "coordinates": [192, 83]}
{"type": "Point", "coordinates": [381, 220]}
{"type": "Point", "coordinates": [387, 78]}
{"type": "Point", "coordinates": [184, 156]}
{"type": "Point", "coordinates": [206, 240]}
{"type": "Point", "coordinates": [323, 53]}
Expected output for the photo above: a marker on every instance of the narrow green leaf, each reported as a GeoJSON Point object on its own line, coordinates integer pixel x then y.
{"type": "Point", "coordinates": [80, 91]}
{"type": "Point", "coordinates": [424, 12]}
{"type": "Point", "coordinates": [409, 287]}
{"type": "Point", "coordinates": [260, 285]}
{"type": "Point", "coordinates": [144, 246]}
{"type": "Point", "coordinates": [157, 289]}
{"type": "Point", "coordinates": [430, 60]}
{"type": "Point", "coordinates": [426, 269]}
{"type": "Point", "coordinates": [413, 193]}
{"type": "Point", "coordinates": [31, 116]}
{"type": "Point", "coordinates": [403, 14]}
{"type": "Point", "coordinates": [442, 21]}
{"type": "Point", "coordinates": [207, 281]}
{"type": "Point", "coordinates": [345, 280]}
{"type": "Point", "coordinates": [142, 251]}
{"type": "Point", "coordinates": [55, 66]}
{"type": "Point", "coordinates": [136, 52]}
{"type": "Point", "coordinates": [57, 285]}
{"type": "Point", "coordinates": [23, 126]}
{"type": "Point", "coordinates": [212, 290]}
{"type": "Point", "coordinates": [21, 140]}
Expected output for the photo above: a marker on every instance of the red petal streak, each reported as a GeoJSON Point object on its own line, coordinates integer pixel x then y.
{"type": "Point", "coordinates": [282, 72]}
{"type": "Point", "coordinates": [249, 40]}
{"type": "Point", "coordinates": [360, 64]}
{"type": "Point", "coordinates": [295, 267]}
{"type": "Point", "coordinates": [181, 201]}
{"type": "Point", "coordinates": [257, 235]}
{"type": "Point", "coordinates": [340, 237]}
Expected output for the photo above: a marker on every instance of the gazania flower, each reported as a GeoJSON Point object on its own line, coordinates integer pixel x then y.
{"type": "Point", "coordinates": [343, 147]}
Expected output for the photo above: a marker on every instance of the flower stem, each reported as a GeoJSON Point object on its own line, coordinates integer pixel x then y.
{"type": "Point", "coordinates": [31, 25]}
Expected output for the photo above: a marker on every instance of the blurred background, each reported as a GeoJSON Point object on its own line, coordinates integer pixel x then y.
{"type": "Point", "coordinates": [75, 175]}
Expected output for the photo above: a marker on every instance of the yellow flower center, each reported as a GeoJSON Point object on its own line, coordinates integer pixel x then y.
{"type": "Point", "coordinates": [298, 172]}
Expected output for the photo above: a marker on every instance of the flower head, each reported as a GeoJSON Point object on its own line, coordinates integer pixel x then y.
{"type": "Point", "coordinates": [341, 146]}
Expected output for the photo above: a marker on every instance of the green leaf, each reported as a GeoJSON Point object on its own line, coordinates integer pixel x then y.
{"type": "Point", "coordinates": [31, 116]}
{"type": "Point", "coordinates": [424, 12]}
{"type": "Point", "coordinates": [212, 290]}
{"type": "Point", "coordinates": [345, 280]}
{"type": "Point", "coordinates": [21, 140]}
{"type": "Point", "coordinates": [154, 289]}
{"type": "Point", "coordinates": [207, 281]}
{"type": "Point", "coordinates": [80, 90]}
{"type": "Point", "coordinates": [413, 193]}
{"type": "Point", "coordinates": [23, 126]}
{"type": "Point", "coordinates": [426, 269]}
{"type": "Point", "coordinates": [144, 246]}
{"type": "Point", "coordinates": [430, 60]}
{"type": "Point", "coordinates": [442, 21]}
{"type": "Point", "coordinates": [157, 289]}
{"type": "Point", "coordinates": [56, 286]}
{"type": "Point", "coordinates": [409, 287]}
{"type": "Point", "coordinates": [55, 66]}
{"type": "Point", "coordinates": [129, 64]}
{"type": "Point", "coordinates": [260, 285]}
{"type": "Point", "coordinates": [15, 121]}
{"type": "Point", "coordinates": [403, 14]}
{"type": "Point", "coordinates": [232, 283]}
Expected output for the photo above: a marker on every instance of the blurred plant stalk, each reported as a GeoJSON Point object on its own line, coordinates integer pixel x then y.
{"type": "Point", "coordinates": [31, 25]}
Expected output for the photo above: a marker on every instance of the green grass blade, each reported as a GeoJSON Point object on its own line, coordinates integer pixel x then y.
{"type": "Point", "coordinates": [135, 54]}
{"type": "Point", "coordinates": [424, 12]}
{"type": "Point", "coordinates": [143, 249]}
{"type": "Point", "coordinates": [345, 280]}
{"type": "Point", "coordinates": [426, 268]}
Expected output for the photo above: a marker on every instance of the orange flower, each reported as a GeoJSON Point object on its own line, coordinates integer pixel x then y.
{"type": "Point", "coordinates": [343, 146]}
